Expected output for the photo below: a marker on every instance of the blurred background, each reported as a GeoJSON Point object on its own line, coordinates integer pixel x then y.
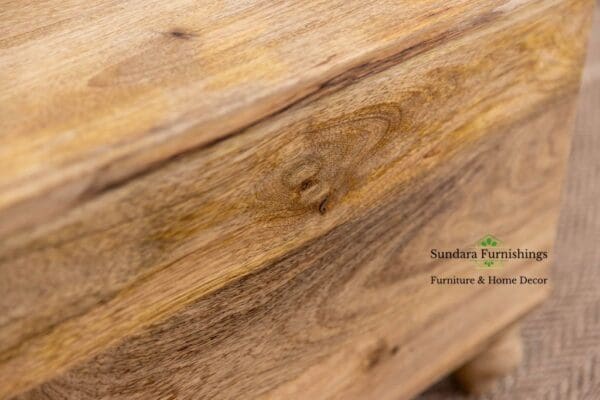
{"type": "Point", "coordinates": [562, 338]}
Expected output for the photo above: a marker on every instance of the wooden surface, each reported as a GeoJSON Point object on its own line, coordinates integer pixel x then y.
{"type": "Point", "coordinates": [123, 88]}
{"type": "Point", "coordinates": [504, 354]}
{"type": "Point", "coordinates": [562, 345]}
{"type": "Point", "coordinates": [292, 255]}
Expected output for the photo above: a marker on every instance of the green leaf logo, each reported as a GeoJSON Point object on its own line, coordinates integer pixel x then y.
{"type": "Point", "coordinates": [489, 241]}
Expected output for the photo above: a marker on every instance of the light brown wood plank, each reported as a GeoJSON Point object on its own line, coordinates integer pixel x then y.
{"type": "Point", "coordinates": [352, 314]}
{"type": "Point", "coordinates": [93, 95]}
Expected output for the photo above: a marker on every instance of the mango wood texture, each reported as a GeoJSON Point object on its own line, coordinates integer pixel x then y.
{"type": "Point", "coordinates": [127, 86]}
{"type": "Point", "coordinates": [154, 249]}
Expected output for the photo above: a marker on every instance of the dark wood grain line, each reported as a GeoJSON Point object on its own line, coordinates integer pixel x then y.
{"type": "Point", "coordinates": [209, 338]}
{"type": "Point", "coordinates": [332, 85]}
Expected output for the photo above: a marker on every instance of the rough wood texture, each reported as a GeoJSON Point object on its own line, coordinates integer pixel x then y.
{"type": "Point", "coordinates": [291, 256]}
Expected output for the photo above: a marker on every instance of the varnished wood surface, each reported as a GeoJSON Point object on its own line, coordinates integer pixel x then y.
{"type": "Point", "coordinates": [256, 263]}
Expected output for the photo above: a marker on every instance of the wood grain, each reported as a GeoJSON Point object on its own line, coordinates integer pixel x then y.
{"type": "Point", "coordinates": [561, 338]}
{"type": "Point", "coordinates": [395, 142]}
{"type": "Point", "coordinates": [351, 307]}
{"type": "Point", "coordinates": [122, 88]}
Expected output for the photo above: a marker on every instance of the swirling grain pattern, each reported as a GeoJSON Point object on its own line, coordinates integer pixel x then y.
{"type": "Point", "coordinates": [258, 335]}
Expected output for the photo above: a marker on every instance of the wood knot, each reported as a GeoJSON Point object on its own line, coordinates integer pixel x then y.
{"type": "Point", "coordinates": [324, 161]}
{"type": "Point", "coordinates": [323, 205]}
{"type": "Point", "coordinates": [307, 183]}
{"type": "Point", "coordinates": [311, 189]}
{"type": "Point", "coordinates": [379, 353]}
{"type": "Point", "coordinates": [181, 34]}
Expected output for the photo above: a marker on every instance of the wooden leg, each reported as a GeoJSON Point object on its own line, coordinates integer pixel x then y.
{"type": "Point", "coordinates": [502, 356]}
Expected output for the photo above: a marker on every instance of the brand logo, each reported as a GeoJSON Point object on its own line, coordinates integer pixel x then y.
{"type": "Point", "coordinates": [489, 252]}
{"type": "Point", "coordinates": [486, 243]}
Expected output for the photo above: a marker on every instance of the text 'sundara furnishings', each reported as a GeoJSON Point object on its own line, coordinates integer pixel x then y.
{"type": "Point", "coordinates": [242, 199]}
